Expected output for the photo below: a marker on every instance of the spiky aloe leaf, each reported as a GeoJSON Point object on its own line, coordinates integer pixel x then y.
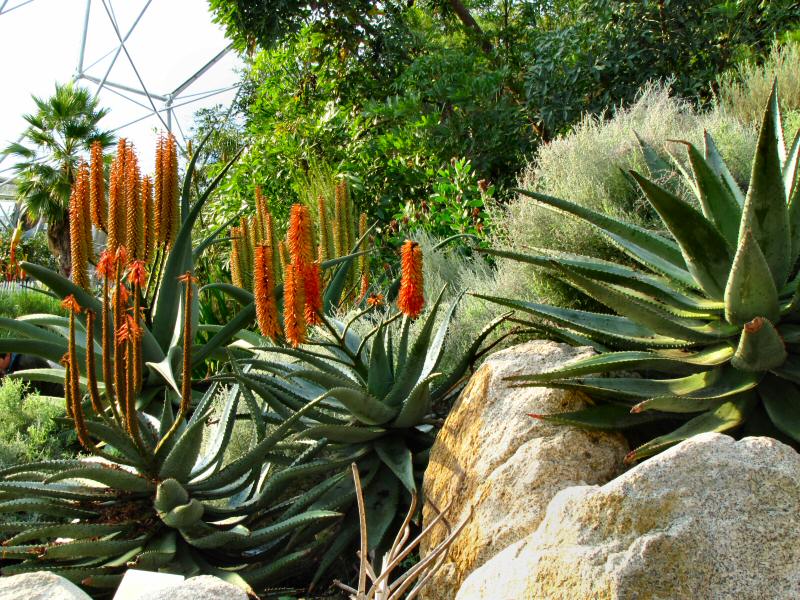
{"type": "Point", "coordinates": [652, 250]}
{"type": "Point", "coordinates": [714, 160]}
{"type": "Point", "coordinates": [94, 548]}
{"type": "Point", "coordinates": [716, 199]}
{"type": "Point", "coordinates": [66, 530]}
{"type": "Point", "coordinates": [656, 165]}
{"type": "Point", "coordinates": [240, 321]}
{"type": "Point", "coordinates": [157, 553]}
{"type": "Point", "coordinates": [714, 383]}
{"type": "Point", "coordinates": [184, 516]}
{"type": "Point", "coordinates": [791, 184]}
{"type": "Point", "coordinates": [177, 463]}
{"type": "Point", "coordinates": [364, 407]}
{"type": "Point", "coordinates": [646, 314]}
{"type": "Point", "coordinates": [613, 329]}
{"type": "Point", "coordinates": [782, 402]}
{"type": "Point", "coordinates": [706, 253]}
{"type": "Point", "coordinates": [347, 434]}
{"type": "Point", "coordinates": [275, 530]}
{"type": "Point", "coordinates": [395, 454]}
{"type": "Point", "coordinates": [29, 330]}
{"type": "Point", "coordinates": [727, 416]}
{"type": "Point", "coordinates": [750, 291]}
{"type": "Point", "coordinates": [415, 361]}
{"type": "Point", "coordinates": [630, 360]}
{"type": "Point", "coordinates": [602, 416]}
{"type": "Point", "coordinates": [760, 347]}
{"type": "Point", "coordinates": [379, 378]}
{"type": "Point", "coordinates": [417, 405]}
{"type": "Point", "coordinates": [381, 502]}
{"type": "Point", "coordinates": [654, 286]}
{"type": "Point", "coordinates": [112, 476]}
{"type": "Point", "coordinates": [678, 404]}
{"type": "Point", "coordinates": [46, 506]}
{"type": "Point", "coordinates": [765, 211]}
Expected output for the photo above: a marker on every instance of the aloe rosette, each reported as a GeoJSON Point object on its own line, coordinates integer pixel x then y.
{"type": "Point", "coordinates": [377, 391]}
{"type": "Point", "coordinates": [709, 316]}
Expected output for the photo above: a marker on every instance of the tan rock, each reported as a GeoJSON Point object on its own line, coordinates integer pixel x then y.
{"type": "Point", "coordinates": [491, 456]}
{"type": "Point", "coordinates": [710, 518]}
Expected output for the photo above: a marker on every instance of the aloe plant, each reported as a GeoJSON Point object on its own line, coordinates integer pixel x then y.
{"type": "Point", "coordinates": [157, 503]}
{"type": "Point", "coordinates": [709, 316]}
{"type": "Point", "coordinates": [162, 324]}
{"type": "Point", "coordinates": [376, 392]}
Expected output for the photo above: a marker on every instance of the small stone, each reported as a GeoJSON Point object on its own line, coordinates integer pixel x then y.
{"type": "Point", "coordinates": [491, 456]}
{"type": "Point", "coordinates": [41, 585]}
{"type": "Point", "coordinates": [136, 580]}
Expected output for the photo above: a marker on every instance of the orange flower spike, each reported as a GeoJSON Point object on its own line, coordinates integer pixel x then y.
{"type": "Point", "coordinates": [264, 292]}
{"type": "Point", "coordinates": [84, 179]}
{"type": "Point", "coordinates": [158, 192]}
{"type": "Point", "coordinates": [97, 190]}
{"type": "Point", "coordinates": [73, 379]}
{"type": "Point", "coordinates": [411, 299]}
{"type": "Point", "coordinates": [293, 306]}
{"type": "Point", "coordinates": [149, 219]}
{"type": "Point", "coordinates": [299, 237]}
{"type": "Point", "coordinates": [313, 292]}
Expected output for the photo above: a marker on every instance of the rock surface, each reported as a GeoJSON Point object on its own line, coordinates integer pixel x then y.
{"type": "Point", "coordinates": [491, 456]}
{"type": "Point", "coordinates": [195, 588]}
{"type": "Point", "coordinates": [40, 585]}
{"type": "Point", "coordinates": [708, 518]}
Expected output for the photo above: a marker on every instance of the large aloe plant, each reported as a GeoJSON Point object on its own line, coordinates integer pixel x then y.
{"type": "Point", "coordinates": [162, 324]}
{"type": "Point", "coordinates": [376, 392]}
{"type": "Point", "coordinates": [709, 317]}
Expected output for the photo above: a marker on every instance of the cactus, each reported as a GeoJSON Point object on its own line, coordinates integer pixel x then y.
{"type": "Point", "coordinates": [710, 316]}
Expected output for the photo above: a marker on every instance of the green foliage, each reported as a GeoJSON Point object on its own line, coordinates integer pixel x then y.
{"type": "Point", "coordinates": [596, 53]}
{"type": "Point", "coordinates": [32, 249]}
{"type": "Point", "coordinates": [29, 430]}
{"type": "Point", "coordinates": [709, 313]}
{"type": "Point", "coordinates": [58, 134]}
{"type": "Point", "coordinates": [16, 303]}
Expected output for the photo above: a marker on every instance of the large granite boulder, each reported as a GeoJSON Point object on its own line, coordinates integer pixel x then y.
{"type": "Point", "coordinates": [41, 585]}
{"type": "Point", "coordinates": [709, 518]}
{"type": "Point", "coordinates": [493, 458]}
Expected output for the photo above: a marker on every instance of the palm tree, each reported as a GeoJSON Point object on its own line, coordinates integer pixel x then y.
{"type": "Point", "coordinates": [61, 131]}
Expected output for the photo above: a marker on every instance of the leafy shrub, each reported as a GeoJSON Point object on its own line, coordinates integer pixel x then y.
{"type": "Point", "coordinates": [28, 429]}
{"type": "Point", "coordinates": [17, 302]}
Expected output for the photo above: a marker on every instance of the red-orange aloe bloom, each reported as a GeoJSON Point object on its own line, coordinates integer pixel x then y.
{"type": "Point", "coordinates": [375, 300]}
{"type": "Point", "coordinates": [97, 187]}
{"type": "Point", "coordinates": [124, 295]}
{"type": "Point", "coordinates": [294, 321]}
{"type": "Point", "coordinates": [71, 304]}
{"type": "Point", "coordinates": [412, 294]}
{"type": "Point", "coordinates": [106, 265]}
{"type": "Point", "coordinates": [138, 273]}
{"type": "Point", "coordinates": [264, 292]}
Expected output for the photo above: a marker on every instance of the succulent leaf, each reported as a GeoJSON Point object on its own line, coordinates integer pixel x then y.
{"type": "Point", "coordinates": [760, 347]}
{"type": "Point", "coordinates": [765, 210]}
{"type": "Point", "coordinates": [706, 253]}
{"type": "Point", "coordinates": [782, 402]}
{"type": "Point", "coordinates": [750, 291]}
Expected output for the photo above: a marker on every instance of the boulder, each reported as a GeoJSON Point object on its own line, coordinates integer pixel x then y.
{"type": "Point", "coordinates": [708, 518]}
{"type": "Point", "coordinates": [41, 585]}
{"type": "Point", "coordinates": [492, 458]}
{"type": "Point", "coordinates": [194, 588]}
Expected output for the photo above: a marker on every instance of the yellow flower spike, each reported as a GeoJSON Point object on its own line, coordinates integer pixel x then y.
{"type": "Point", "coordinates": [323, 252]}
{"type": "Point", "coordinates": [264, 292]}
{"type": "Point", "coordinates": [97, 189]}
{"type": "Point", "coordinates": [77, 237]}
{"type": "Point", "coordinates": [236, 274]}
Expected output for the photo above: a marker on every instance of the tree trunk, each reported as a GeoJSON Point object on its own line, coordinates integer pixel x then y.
{"type": "Point", "coordinates": [58, 241]}
{"type": "Point", "coordinates": [466, 18]}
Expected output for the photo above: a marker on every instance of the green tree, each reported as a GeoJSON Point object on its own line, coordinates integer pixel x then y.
{"type": "Point", "coordinates": [58, 134]}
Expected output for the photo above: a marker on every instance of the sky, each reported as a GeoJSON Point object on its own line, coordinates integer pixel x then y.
{"type": "Point", "coordinates": [40, 44]}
